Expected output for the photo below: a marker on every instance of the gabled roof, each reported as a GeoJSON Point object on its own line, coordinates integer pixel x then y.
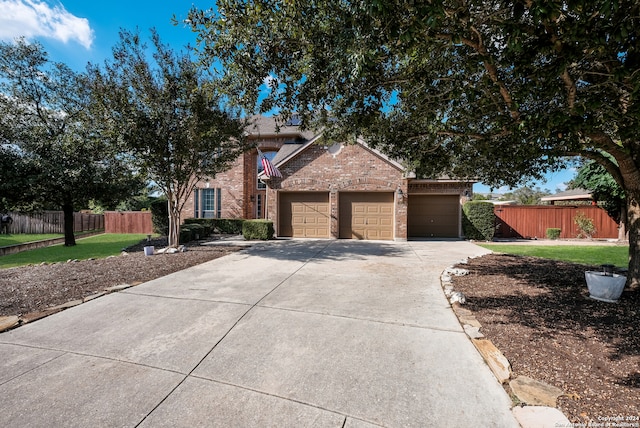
{"type": "Point", "coordinates": [289, 150]}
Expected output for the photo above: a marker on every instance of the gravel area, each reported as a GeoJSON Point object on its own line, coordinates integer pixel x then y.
{"type": "Point", "coordinates": [538, 313]}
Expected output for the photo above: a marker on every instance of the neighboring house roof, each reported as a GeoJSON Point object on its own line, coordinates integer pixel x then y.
{"type": "Point", "coordinates": [569, 195]}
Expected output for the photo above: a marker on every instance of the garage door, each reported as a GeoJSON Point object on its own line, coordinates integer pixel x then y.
{"type": "Point", "coordinates": [366, 215]}
{"type": "Point", "coordinates": [304, 215]}
{"type": "Point", "coordinates": [435, 216]}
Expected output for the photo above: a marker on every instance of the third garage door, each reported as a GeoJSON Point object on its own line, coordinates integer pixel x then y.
{"type": "Point", "coordinates": [435, 216]}
{"type": "Point", "coordinates": [366, 215]}
{"type": "Point", "coordinates": [304, 215]}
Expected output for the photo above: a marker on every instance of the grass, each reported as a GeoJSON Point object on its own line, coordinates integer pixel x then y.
{"type": "Point", "coordinates": [6, 240]}
{"type": "Point", "coordinates": [99, 246]}
{"type": "Point", "coordinates": [588, 254]}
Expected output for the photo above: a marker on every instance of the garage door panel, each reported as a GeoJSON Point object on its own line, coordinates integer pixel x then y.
{"type": "Point", "coordinates": [304, 214]}
{"type": "Point", "coordinates": [434, 216]}
{"type": "Point", "coordinates": [366, 215]}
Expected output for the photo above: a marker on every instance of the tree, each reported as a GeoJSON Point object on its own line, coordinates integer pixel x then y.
{"type": "Point", "coordinates": [495, 90]}
{"type": "Point", "coordinates": [526, 195]}
{"type": "Point", "coordinates": [58, 156]}
{"type": "Point", "coordinates": [176, 131]}
{"type": "Point", "coordinates": [604, 189]}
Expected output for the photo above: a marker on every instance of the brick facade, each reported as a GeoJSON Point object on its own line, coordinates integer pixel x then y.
{"type": "Point", "coordinates": [313, 167]}
{"type": "Point", "coordinates": [350, 168]}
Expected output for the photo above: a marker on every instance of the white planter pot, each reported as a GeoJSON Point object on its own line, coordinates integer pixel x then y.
{"type": "Point", "coordinates": [149, 250]}
{"type": "Point", "coordinates": [606, 288]}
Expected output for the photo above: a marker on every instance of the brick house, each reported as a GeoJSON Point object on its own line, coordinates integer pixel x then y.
{"type": "Point", "coordinates": [329, 191]}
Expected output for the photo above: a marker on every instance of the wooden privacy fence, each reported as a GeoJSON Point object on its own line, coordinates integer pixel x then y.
{"type": "Point", "coordinates": [532, 221]}
{"type": "Point", "coordinates": [53, 222]}
{"type": "Point", "coordinates": [128, 222]}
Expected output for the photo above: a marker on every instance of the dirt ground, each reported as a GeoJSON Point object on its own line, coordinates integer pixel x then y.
{"type": "Point", "coordinates": [538, 313]}
{"type": "Point", "coordinates": [33, 289]}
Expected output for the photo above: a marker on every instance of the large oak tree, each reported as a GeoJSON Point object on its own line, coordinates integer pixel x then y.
{"type": "Point", "coordinates": [489, 89]}
{"type": "Point", "coordinates": [53, 152]}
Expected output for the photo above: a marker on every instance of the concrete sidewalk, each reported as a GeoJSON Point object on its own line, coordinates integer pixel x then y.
{"type": "Point", "coordinates": [285, 333]}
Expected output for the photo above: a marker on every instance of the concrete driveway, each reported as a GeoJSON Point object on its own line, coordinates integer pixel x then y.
{"type": "Point", "coordinates": [283, 334]}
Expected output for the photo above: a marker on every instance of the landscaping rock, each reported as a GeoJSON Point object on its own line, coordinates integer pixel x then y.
{"type": "Point", "coordinates": [534, 392]}
{"type": "Point", "coordinates": [540, 417]}
{"type": "Point", "coordinates": [117, 287]}
{"type": "Point", "coordinates": [497, 362]}
{"type": "Point", "coordinates": [8, 322]}
{"type": "Point", "coordinates": [458, 297]}
{"type": "Point", "coordinates": [472, 331]}
{"type": "Point", "coordinates": [66, 305]}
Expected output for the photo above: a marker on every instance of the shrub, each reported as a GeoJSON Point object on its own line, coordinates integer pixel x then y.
{"type": "Point", "coordinates": [204, 222]}
{"type": "Point", "coordinates": [228, 225]}
{"type": "Point", "coordinates": [160, 216]}
{"type": "Point", "coordinates": [586, 229]}
{"type": "Point", "coordinates": [258, 229]}
{"type": "Point", "coordinates": [478, 220]}
{"type": "Point", "coordinates": [553, 232]}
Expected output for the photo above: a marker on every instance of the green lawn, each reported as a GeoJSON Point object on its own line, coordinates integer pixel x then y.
{"type": "Point", "coordinates": [584, 254]}
{"type": "Point", "coordinates": [99, 246]}
{"type": "Point", "coordinates": [6, 240]}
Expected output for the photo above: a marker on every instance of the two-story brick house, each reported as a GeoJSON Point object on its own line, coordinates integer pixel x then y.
{"type": "Point", "coordinates": [330, 191]}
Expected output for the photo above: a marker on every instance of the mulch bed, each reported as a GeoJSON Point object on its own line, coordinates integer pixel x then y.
{"type": "Point", "coordinates": [33, 289]}
{"type": "Point", "coordinates": [538, 313]}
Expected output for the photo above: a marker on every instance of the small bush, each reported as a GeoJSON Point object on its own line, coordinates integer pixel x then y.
{"type": "Point", "coordinates": [258, 229]}
{"type": "Point", "coordinates": [228, 225]}
{"type": "Point", "coordinates": [160, 216]}
{"type": "Point", "coordinates": [553, 232]}
{"type": "Point", "coordinates": [586, 229]}
{"type": "Point", "coordinates": [478, 220]}
{"type": "Point", "coordinates": [204, 222]}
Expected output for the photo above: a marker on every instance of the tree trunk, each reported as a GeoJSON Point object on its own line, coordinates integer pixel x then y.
{"type": "Point", "coordinates": [633, 224]}
{"type": "Point", "coordinates": [174, 224]}
{"type": "Point", "coordinates": [69, 237]}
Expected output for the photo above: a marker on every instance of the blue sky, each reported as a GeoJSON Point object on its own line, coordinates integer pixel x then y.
{"type": "Point", "coordinates": [76, 32]}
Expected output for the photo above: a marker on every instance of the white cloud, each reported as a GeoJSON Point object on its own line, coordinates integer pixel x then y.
{"type": "Point", "coordinates": [36, 18]}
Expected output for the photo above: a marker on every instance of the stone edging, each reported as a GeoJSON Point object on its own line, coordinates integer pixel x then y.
{"type": "Point", "coordinates": [536, 400]}
{"type": "Point", "coordinates": [13, 321]}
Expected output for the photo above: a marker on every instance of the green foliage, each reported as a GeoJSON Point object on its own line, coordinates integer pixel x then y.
{"type": "Point", "coordinates": [228, 225]}
{"type": "Point", "coordinates": [258, 229]}
{"type": "Point", "coordinates": [586, 228]}
{"type": "Point", "coordinates": [160, 216]}
{"type": "Point", "coordinates": [193, 231]}
{"type": "Point", "coordinates": [591, 255]}
{"type": "Point", "coordinates": [59, 156]}
{"type": "Point", "coordinates": [99, 246]}
{"type": "Point", "coordinates": [478, 220]}
{"type": "Point", "coordinates": [220, 225]}
{"type": "Point", "coordinates": [494, 91]}
{"type": "Point", "coordinates": [526, 195]}
{"type": "Point", "coordinates": [553, 232]}
{"type": "Point", "coordinates": [604, 189]}
{"type": "Point", "coordinates": [176, 129]}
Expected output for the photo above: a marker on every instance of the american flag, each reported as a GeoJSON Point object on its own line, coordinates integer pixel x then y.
{"type": "Point", "coordinates": [269, 169]}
